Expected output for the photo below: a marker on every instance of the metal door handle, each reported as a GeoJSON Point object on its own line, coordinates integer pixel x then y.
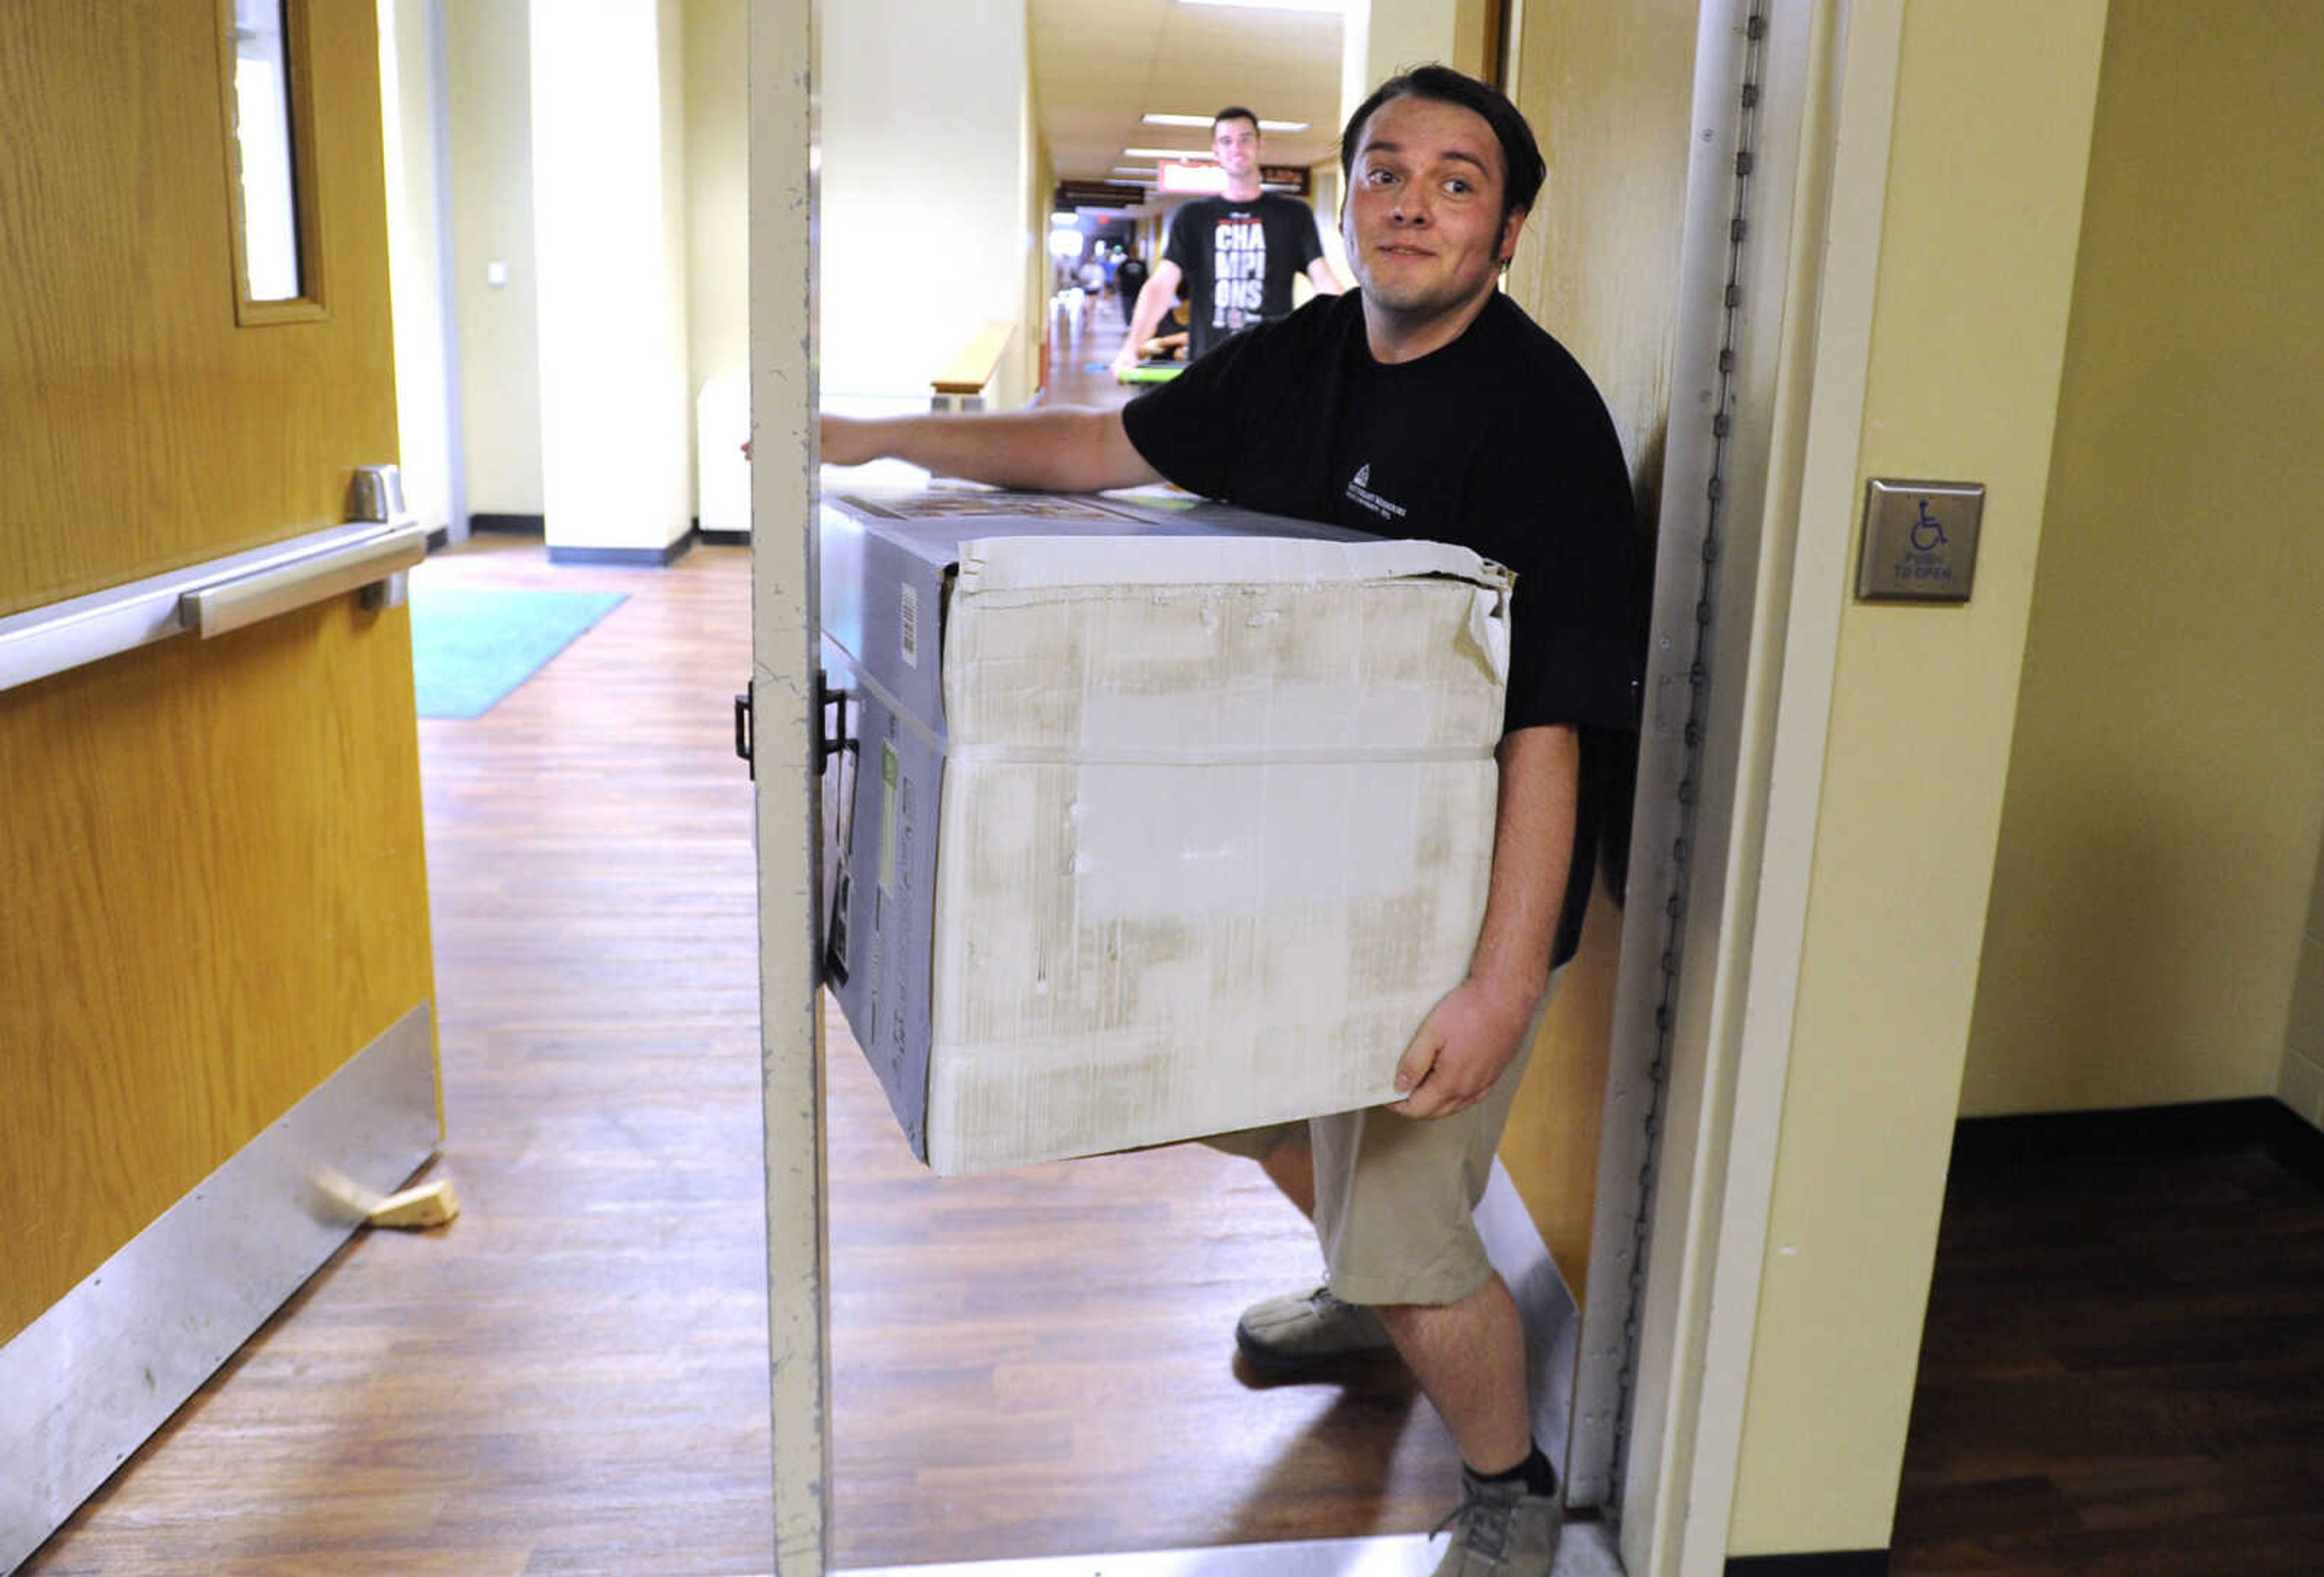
{"type": "Point", "coordinates": [342, 566]}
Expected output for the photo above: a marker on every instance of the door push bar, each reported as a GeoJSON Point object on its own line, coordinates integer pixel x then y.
{"type": "Point", "coordinates": [373, 550]}
{"type": "Point", "coordinates": [341, 567]}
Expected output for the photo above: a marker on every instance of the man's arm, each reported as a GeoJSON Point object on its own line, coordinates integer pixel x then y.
{"type": "Point", "coordinates": [1472, 1033]}
{"type": "Point", "coordinates": [1153, 299]}
{"type": "Point", "coordinates": [1326, 278]}
{"type": "Point", "coordinates": [1061, 451]}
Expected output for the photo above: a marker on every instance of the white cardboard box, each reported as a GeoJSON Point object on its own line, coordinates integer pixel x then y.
{"type": "Point", "coordinates": [1212, 804]}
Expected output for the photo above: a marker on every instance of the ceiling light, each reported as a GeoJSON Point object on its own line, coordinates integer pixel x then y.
{"type": "Point", "coordinates": [1335, 7]}
{"type": "Point", "coordinates": [1144, 170]}
{"type": "Point", "coordinates": [1204, 120]}
{"type": "Point", "coordinates": [1199, 156]}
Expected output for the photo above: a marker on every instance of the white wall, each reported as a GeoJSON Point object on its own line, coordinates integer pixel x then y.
{"type": "Point", "coordinates": [609, 233]}
{"type": "Point", "coordinates": [409, 110]}
{"type": "Point", "coordinates": [924, 223]}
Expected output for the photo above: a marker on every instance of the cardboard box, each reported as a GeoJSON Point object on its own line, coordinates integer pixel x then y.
{"type": "Point", "coordinates": [1158, 819]}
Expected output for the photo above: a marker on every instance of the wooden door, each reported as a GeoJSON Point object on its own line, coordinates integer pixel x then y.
{"type": "Point", "coordinates": [210, 848]}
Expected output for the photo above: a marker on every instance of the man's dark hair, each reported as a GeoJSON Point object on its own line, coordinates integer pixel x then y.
{"type": "Point", "coordinates": [1520, 154]}
{"type": "Point", "coordinates": [1233, 112]}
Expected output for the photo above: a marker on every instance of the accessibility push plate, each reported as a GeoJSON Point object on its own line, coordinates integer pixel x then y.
{"type": "Point", "coordinates": [1920, 541]}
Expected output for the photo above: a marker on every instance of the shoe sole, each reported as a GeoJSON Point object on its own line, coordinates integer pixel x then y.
{"type": "Point", "coordinates": [1276, 1365]}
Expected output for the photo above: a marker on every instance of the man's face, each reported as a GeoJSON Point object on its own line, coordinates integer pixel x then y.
{"type": "Point", "coordinates": [1422, 215]}
{"type": "Point", "coordinates": [1236, 144]}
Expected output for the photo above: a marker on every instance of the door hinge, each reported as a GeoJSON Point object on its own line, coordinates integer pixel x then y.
{"type": "Point", "coordinates": [743, 721]}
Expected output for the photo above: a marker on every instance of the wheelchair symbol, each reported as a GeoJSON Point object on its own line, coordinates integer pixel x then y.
{"type": "Point", "coordinates": [1928, 535]}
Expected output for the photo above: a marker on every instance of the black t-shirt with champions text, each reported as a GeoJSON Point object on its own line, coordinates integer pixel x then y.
{"type": "Point", "coordinates": [1498, 442]}
{"type": "Point", "coordinates": [1239, 259]}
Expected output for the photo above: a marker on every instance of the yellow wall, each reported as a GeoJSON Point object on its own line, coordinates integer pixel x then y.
{"type": "Point", "coordinates": [488, 52]}
{"type": "Point", "coordinates": [2167, 785]}
{"type": "Point", "coordinates": [923, 227]}
{"type": "Point", "coordinates": [1609, 92]}
{"type": "Point", "coordinates": [408, 101]}
{"type": "Point", "coordinates": [1395, 35]}
{"type": "Point", "coordinates": [1984, 188]}
{"type": "Point", "coordinates": [1023, 354]}
{"type": "Point", "coordinates": [717, 277]}
{"type": "Point", "coordinates": [717, 199]}
{"type": "Point", "coordinates": [2300, 1084]}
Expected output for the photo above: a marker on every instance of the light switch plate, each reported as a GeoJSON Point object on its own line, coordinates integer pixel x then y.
{"type": "Point", "coordinates": [1920, 540]}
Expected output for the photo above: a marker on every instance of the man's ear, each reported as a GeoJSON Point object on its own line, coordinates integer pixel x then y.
{"type": "Point", "coordinates": [1509, 228]}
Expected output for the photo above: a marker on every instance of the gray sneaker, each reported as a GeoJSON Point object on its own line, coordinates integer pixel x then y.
{"type": "Point", "coordinates": [1285, 1335]}
{"type": "Point", "coordinates": [1501, 1530]}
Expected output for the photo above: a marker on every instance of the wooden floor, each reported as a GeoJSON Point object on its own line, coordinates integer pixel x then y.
{"type": "Point", "coordinates": [572, 1377]}
{"type": "Point", "coordinates": [2123, 1373]}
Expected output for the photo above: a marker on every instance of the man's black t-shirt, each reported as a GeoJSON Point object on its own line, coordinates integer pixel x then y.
{"type": "Point", "coordinates": [1498, 442]}
{"type": "Point", "coordinates": [1239, 259]}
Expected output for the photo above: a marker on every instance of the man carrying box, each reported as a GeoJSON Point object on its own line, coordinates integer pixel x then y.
{"type": "Point", "coordinates": [1423, 404]}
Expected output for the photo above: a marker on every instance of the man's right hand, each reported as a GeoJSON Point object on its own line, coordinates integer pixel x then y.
{"type": "Point", "coordinates": [1125, 361]}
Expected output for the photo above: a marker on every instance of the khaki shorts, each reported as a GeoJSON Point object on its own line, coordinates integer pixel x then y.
{"type": "Point", "coordinates": [1395, 1196]}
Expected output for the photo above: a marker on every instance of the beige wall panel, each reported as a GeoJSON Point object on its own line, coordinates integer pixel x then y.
{"type": "Point", "coordinates": [1609, 93]}
{"type": "Point", "coordinates": [244, 909]}
{"type": "Point", "coordinates": [415, 264]}
{"type": "Point", "coordinates": [184, 460]}
{"type": "Point", "coordinates": [2166, 789]}
{"type": "Point", "coordinates": [489, 55]}
{"type": "Point", "coordinates": [1993, 111]}
{"type": "Point", "coordinates": [717, 195]}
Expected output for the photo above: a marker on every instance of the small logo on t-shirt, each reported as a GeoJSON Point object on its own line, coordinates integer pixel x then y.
{"type": "Point", "coordinates": [1360, 488]}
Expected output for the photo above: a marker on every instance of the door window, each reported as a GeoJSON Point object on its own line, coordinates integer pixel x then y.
{"type": "Point", "coordinates": [271, 153]}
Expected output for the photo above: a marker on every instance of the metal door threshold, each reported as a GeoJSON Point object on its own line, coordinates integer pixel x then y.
{"type": "Point", "coordinates": [1587, 1550]}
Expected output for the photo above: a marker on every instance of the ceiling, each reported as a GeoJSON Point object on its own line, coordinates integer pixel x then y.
{"type": "Point", "coordinates": [1098, 65]}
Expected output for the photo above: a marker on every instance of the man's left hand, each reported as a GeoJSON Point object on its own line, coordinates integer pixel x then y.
{"type": "Point", "coordinates": [1468, 1038]}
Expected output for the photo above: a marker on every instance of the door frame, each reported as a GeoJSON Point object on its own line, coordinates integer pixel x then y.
{"type": "Point", "coordinates": [1831, 83]}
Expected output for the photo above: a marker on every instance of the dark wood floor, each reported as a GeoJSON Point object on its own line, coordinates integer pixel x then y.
{"type": "Point", "coordinates": [2123, 1371]}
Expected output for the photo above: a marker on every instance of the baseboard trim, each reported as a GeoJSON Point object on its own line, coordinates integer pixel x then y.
{"type": "Point", "coordinates": [439, 538]}
{"type": "Point", "coordinates": [2142, 1131]}
{"type": "Point", "coordinates": [511, 525]}
{"type": "Point", "coordinates": [104, 1366]}
{"type": "Point", "coordinates": [1825, 1563]}
{"type": "Point", "coordinates": [647, 557]}
{"type": "Point", "coordinates": [723, 539]}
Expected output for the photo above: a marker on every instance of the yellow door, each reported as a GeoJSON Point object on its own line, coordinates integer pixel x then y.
{"type": "Point", "coordinates": [209, 848]}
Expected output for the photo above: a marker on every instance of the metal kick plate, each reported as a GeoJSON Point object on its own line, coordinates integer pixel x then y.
{"type": "Point", "coordinates": [1920, 541]}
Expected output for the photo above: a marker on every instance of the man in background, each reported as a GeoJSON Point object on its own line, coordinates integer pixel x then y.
{"type": "Point", "coordinates": [1236, 253]}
